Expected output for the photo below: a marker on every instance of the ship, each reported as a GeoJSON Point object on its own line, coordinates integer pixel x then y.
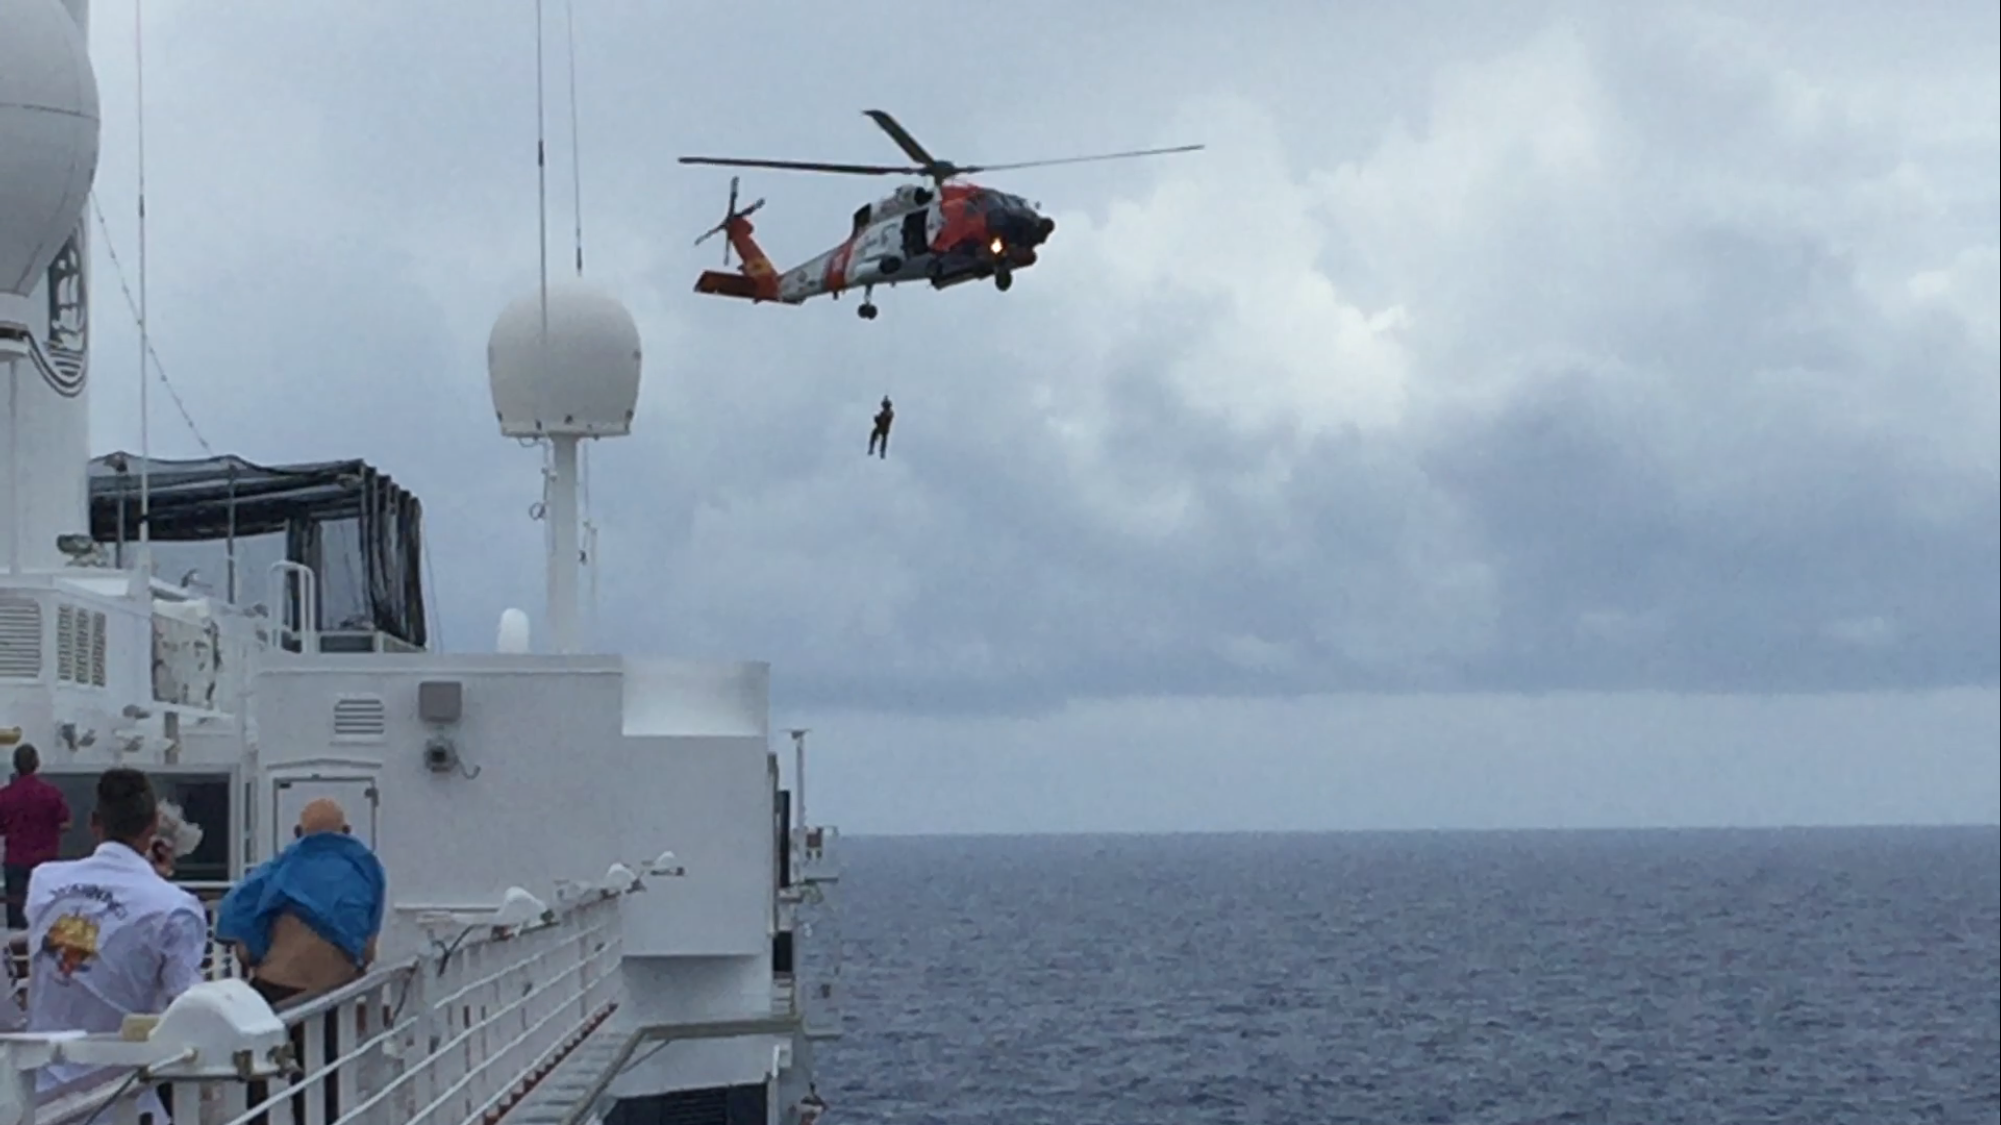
{"type": "Point", "coordinates": [606, 903]}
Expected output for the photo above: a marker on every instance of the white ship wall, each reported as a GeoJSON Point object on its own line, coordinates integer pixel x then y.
{"type": "Point", "coordinates": [687, 990]}
{"type": "Point", "coordinates": [52, 412]}
{"type": "Point", "coordinates": [580, 761]}
{"type": "Point", "coordinates": [74, 649]}
{"type": "Point", "coordinates": [558, 787]}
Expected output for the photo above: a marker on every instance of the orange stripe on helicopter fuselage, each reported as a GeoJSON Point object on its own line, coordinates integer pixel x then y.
{"type": "Point", "coordinates": [836, 277]}
{"type": "Point", "coordinates": [962, 221]}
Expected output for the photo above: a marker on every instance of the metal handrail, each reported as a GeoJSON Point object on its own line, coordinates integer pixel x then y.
{"type": "Point", "coordinates": [321, 1003]}
{"type": "Point", "coordinates": [413, 1055]}
{"type": "Point", "coordinates": [587, 1103]}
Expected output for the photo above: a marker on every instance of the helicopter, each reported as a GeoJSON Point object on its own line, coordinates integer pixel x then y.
{"type": "Point", "coordinates": [947, 233]}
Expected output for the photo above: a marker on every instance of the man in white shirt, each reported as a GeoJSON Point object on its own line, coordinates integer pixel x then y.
{"type": "Point", "coordinates": [108, 936]}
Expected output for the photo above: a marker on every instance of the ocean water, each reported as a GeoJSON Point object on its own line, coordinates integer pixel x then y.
{"type": "Point", "coordinates": [1817, 977]}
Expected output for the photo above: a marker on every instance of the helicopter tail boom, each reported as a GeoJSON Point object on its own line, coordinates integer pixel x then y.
{"type": "Point", "coordinates": [721, 284]}
{"type": "Point", "coordinates": [758, 278]}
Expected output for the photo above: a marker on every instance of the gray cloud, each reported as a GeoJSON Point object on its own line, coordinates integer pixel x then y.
{"type": "Point", "coordinates": [1540, 353]}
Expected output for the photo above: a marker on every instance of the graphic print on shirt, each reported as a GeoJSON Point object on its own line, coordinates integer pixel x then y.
{"type": "Point", "coordinates": [72, 941]}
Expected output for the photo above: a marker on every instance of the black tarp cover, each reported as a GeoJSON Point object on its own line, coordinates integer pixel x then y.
{"type": "Point", "coordinates": [359, 531]}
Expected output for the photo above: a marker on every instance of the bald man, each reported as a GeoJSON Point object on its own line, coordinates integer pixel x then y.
{"type": "Point", "coordinates": [306, 922]}
{"type": "Point", "coordinates": [308, 919]}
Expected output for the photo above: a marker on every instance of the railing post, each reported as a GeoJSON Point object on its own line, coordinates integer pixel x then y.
{"type": "Point", "coordinates": [17, 1089]}
{"type": "Point", "coordinates": [418, 1044]}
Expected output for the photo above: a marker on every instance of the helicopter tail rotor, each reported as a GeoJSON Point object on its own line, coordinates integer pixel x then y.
{"type": "Point", "coordinates": [730, 215]}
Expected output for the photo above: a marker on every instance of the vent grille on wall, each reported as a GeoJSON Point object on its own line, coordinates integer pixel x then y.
{"type": "Point", "coordinates": [360, 718]}
{"type": "Point", "coordinates": [80, 645]}
{"type": "Point", "coordinates": [20, 639]}
{"type": "Point", "coordinates": [97, 646]}
{"type": "Point", "coordinates": [66, 642]}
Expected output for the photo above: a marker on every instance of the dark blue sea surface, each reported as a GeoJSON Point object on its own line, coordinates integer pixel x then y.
{"type": "Point", "coordinates": [1817, 977]}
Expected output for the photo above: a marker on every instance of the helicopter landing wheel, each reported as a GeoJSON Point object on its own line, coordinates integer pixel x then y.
{"type": "Point", "coordinates": [866, 312]}
{"type": "Point", "coordinates": [1003, 279]}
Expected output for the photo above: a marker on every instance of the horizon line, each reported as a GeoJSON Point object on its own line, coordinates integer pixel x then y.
{"type": "Point", "coordinates": [1870, 826]}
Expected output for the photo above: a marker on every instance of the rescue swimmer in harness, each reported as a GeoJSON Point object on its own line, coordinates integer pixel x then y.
{"type": "Point", "coordinates": [878, 438]}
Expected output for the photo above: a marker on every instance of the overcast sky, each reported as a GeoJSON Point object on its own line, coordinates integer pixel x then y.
{"type": "Point", "coordinates": [1523, 413]}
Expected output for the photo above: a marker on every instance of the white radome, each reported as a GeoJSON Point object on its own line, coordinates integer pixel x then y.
{"type": "Point", "coordinates": [48, 143]}
{"type": "Point", "coordinates": [512, 635]}
{"type": "Point", "coordinates": [587, 384]}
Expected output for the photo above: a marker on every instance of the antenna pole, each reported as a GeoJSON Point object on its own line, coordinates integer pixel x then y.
{"type": "Point", "coordinates": [799, 773]}
{"type": "Point", "coordinates": [563, 542]}
{"type": "Point", "coordinates": [588, 552]}
{"type": "Point", "coordinates": [560, 480]}
{"type": "Point", "coordinates": [576, 137]}
{"type": "Point", "coordinates": [542, 178]}
{"type": "Point", "coordinates": [13, 466]}
{"type": "Point", "coordinates": [145, 340]}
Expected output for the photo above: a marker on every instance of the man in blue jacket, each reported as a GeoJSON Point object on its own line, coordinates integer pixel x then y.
{"type": "Point", "coordinates": [307, 920]}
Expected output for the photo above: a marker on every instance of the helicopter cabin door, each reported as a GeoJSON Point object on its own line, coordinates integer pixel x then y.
{"type": "Point", "coordinates": [915, 238]}
{"type": "Point", "coordinates": [356, 792]}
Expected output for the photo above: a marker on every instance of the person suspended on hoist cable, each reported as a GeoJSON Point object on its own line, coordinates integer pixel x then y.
{"type": "Point", "coordinates": [878, 438]}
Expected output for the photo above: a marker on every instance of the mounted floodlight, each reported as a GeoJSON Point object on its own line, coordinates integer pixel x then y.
{"type": "Point", "coordinates": [620, 879]}
{"type": "Point", "coordinates": [518, 908]}
{"type": "Point", "coordinates": [227, 1028]}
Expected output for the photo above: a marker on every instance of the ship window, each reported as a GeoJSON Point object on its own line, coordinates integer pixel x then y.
{"type": "Point", "coordinates": [204, 799]}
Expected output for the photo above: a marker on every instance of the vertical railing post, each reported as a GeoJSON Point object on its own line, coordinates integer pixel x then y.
{"type": "Point", "coordinates": [419, 1044]}
{"type": "Point", "coordinates": [17, 1088]}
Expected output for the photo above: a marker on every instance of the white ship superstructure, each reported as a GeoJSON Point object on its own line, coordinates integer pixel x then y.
{"type": "Point", "coordinates": [596, 872]}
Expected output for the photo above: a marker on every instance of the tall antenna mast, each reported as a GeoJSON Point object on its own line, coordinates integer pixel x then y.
{"type": "Point", "coordinates": [588, 552]}
{"type": "Point", "coordinates": [541, 175]}
{"type": "Point", "coordinates": [145, 340]}
{"type": "Point", "coordinates": [593, 394]}
{"type": "Point", "coordinates": [576, 138]}
{"type": "Point", "coordinates": [799, 773]}
{"type": "Point", "coordinates": [560, 505]}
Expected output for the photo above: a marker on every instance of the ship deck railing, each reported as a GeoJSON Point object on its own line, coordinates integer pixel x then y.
{"type": "Point", "coordinates": [457, 1036]}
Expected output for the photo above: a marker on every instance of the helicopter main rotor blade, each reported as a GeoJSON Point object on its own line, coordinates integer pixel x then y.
{"type": "Point", "coordinates": [969, 169]}
{"type": "Point", "coordinates": [807, 166]}
{"type": "Point", "coordinates": [904, 140]}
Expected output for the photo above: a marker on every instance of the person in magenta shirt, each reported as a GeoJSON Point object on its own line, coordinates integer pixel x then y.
{"type": "Point", "coordinates": [33, 818]}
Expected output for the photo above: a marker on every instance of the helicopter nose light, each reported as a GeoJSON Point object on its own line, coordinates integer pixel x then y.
{"type": "Point", "coordinates": [996, 245]}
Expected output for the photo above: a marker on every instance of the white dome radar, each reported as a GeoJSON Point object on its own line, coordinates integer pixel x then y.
{"type": "Point", "coordinates": [48, 148]}
{"type": "Point", "coordinates": [586, 382]}
{"type": "Point", "coordinates": [512, 636]}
